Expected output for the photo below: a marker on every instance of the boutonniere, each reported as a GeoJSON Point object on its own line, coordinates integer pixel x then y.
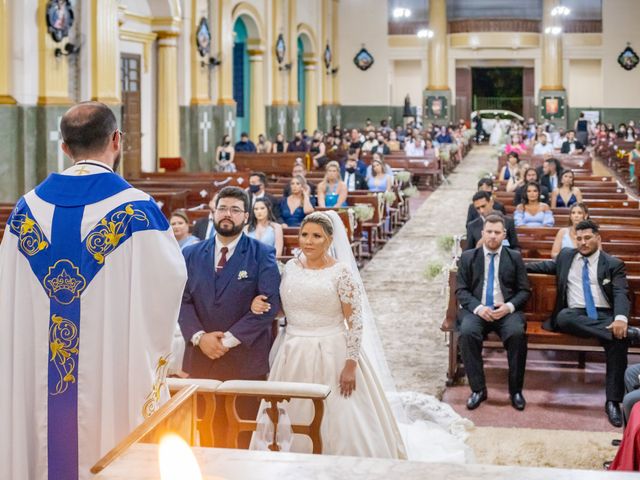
{"type": "Point", "coordinates": [605, 281]}
{"type": "Point", "coordinates": [242, 274]}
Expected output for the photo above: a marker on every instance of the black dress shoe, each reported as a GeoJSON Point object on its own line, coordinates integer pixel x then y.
{"type": "Point", "coordinates": [476, 398]}
{"type": "Point", "coordinates": [518, 401]}
{"type": "Point", "coordinates": [633, 334]}
{"type": "Point", "coordinates": [614, 413]}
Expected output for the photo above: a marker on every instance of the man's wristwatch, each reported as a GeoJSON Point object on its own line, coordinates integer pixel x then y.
{"type": "Point", "coordinates": [196, 338]}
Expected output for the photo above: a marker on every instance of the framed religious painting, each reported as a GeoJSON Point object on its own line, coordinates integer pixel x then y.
{"type": "Point", "coordinates": [436, 107]}
{"type": "Point", "coordinates": [552, 107]}
{"type": "Point", "coordinates": [327, 57]}
{"type": "Point", "coordinates": [59, 16]}
{"type": "Point", "coordinates": [203, 37]}
{"type": "Point", "coordinates": [280, 48]}
{"type": "Point", "coordinates": [363, 59]}
{"type": "Point", "coordinates": [628, 59]}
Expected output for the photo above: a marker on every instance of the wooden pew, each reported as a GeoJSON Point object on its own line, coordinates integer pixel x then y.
{"type": "Point", "coordinates": [271, 163]}
{"type": "Point", "coordinates": [537, 248]}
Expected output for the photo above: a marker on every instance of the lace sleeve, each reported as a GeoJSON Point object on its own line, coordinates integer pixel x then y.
{"type": "Point", "coordinates": [349, 293]}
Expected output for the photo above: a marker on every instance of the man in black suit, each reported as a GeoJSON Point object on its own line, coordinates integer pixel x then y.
{"type": "Point", "coordinates": [257, 186]}
{"type": "Point", "coordinates": [484, 205]}
{"type": "Point", "coordinates": [571, 145]}
{"type": "Point", "coordinates": [203, 228]}
{"type": "Point", "coordinates": [484, 185]}
{"type": "Point", "coordinates": [492, 289]}
{"type": "Point", "coordinates": [351, 177]}
{"type": "Point", "coordinates": [551, 174]}
{"type": "Point", "coordinates": [531, 175]}
{"type": "Point", "coordinates": [592, 302]}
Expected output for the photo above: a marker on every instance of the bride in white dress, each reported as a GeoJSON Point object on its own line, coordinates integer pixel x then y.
{"type": "Point", "coordinates": [331, 339]}
{"type": "Point", "coordinates": [496, 134]}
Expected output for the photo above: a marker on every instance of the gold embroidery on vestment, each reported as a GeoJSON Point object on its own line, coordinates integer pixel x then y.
{"type": "Point", "coordinates": [63, 345]}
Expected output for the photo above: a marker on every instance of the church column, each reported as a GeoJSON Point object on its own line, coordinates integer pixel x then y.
{"type": "Point", "coordinates": [256, 67]}
{"type": "Point", "coordinates": [552, 96]}
{"type": "Point", "coordinates": [225, 44]}
{"type": "Point", "coordinates": [168, 108]}
{"type": "Point", "coordinates": [311, 104]}
{"type": "Point", "coordinates": [335, 87]}
{"type": "Point", "coordinates": [326, 111]}
{"type": "Point", "coordinates": [292, 59]}
{"type": "Point", "coordinates": [5, 56]}
{"type": "Point", "coordinates": [437, 97]}
{"type": "Point", "coordinates": [276, 112]}
{"type": "Point", "coordinates": [104, 52]}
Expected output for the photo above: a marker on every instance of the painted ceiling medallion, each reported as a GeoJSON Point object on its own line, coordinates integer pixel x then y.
{"type": "Point", "coordinates": [59, 18]}
{"type": "Point", "coordinates": [203, 37]}
{"type": "Point", "coordinates": [363, 59]}
{"type": "Point", "coordinates": [628, 59]}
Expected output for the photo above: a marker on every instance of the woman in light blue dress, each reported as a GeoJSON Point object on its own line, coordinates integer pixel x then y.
{"type": "Point", "coordinates": [566, 236]}
{"type": "Point", "coordinates": [180, 225]}
{"type": "Point", "coordinates": [263, 227]}
{"type": "Point", "coordinates": [379, 180]}
{"type": "Point", "coordinates": [332, 191]}
{"type": "Point", "coordinates": [532, 212]}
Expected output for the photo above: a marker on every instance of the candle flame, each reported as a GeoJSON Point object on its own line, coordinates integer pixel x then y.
{"type": "Point", "coordinates": [177, 461]}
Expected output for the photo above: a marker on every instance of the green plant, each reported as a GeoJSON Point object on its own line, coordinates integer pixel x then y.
{"type": "Point", "coordinates": [410, 192]}
{"type": "Point", "coordinates": [433, 269]}
{"type": "Point", "coordinates": [444, 155]}
{"type": "Point", "coordinates": [403, 176]}
{"type": "Point", "coordinates": [445, 243]}
{"type": "Point", "coordinates": [363, 211]}
{"type": "Point", "coordinates": [390, 197]}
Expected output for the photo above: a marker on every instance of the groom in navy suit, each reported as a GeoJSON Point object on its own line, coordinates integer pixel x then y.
{"type": "Point", "coordinates": [224, 340]}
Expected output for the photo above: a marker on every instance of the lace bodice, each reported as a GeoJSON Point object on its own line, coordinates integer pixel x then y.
{"type": "Point", "coordinates": [312, 299]}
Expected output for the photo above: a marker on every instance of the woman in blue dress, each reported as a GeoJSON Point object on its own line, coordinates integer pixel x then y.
{"type": "Point", "coordinates": [510, 170]}
{"type": "Point", "coordinates": [566, 194]}
{"type": "Point", "coordinates": [298, 204]}
{"type": "Point", "coordinates": [379, 180]}
{"type": "Point", "coordinates": [532, 212]}
{"type": "Point", "coordinates": [263, 226]}
{"type": "Point", "coordinates": [332, 191]}
{"type": "Point", "coordinates": [566, 236]}
{"type": "Point", "coordinates": [179, 222]}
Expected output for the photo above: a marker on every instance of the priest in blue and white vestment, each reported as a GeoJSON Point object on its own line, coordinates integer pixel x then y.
{"type": "Point", "coordinates": [91, 280]}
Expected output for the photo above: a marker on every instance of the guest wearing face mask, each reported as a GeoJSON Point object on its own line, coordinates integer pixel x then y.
{"type": "Point", "coordinates": [256, 190]}
{"type": "Point", "coordinates": [224, 156]}
{"type": "Point", "coordinates": [279, 146]}
{"type": "Point", "coordinates": [298, 144]}
{"type": "Point", "coordinates": [351, 177]}
{"type": "Point", "coordinates": [370, 143]}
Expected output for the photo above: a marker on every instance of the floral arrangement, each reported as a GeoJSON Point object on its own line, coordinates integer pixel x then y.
{"type": "Point", "coordinates": [453, 148]}
{"type": "Point", "coordinates": [445, 243]}
{"type": "Point", "coordinates": [390, 197]}
{"type": "Point", "coordinates": [444, 155]}
{"type": "Point", "coordinates": [403, 176]}
{"type": "Point", "coordinates": [410, 191]}
{"type": "Point", "coordinates": [434, 268]}
{"type": "Point", "coordinates": [363, 211]}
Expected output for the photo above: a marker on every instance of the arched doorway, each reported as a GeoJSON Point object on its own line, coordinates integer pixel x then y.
{"type": "Point", "coordinates": [241, 77]}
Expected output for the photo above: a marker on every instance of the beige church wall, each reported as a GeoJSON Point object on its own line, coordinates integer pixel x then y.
{"type": "Point", "coordinates": [407, 77]}
{"type": "Point", "coordinates": [584, 84]}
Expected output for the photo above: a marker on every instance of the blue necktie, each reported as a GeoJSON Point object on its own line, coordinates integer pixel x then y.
{"type": "Point", "coordinates": [589, 304]}
{"type": "Point", "coordinates": [490, 279]}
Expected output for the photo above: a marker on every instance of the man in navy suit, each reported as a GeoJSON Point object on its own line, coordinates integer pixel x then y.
{"type": "Point", "coordinates": [224, 340]}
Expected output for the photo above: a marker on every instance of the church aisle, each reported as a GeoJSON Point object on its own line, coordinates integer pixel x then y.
{"type": "Point", "coordinates": [408, 306]}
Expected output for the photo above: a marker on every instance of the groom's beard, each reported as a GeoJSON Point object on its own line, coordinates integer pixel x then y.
{"type": "Point", "coordinates": [226, 230]}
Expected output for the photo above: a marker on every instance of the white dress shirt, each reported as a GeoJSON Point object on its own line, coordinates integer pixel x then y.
{"type": "Point", "coordinates": [498, 297]}
{"type": "Point", "coordinates": [350, 180]}
{"type": "Point", "coordinates": [540, 149]}
{"type": "Point", "coordinates": [575, 293]}
{"type": "Point", "coordinates": [210, 228]}
{"type": "Point", "coordinates": [228, 340]}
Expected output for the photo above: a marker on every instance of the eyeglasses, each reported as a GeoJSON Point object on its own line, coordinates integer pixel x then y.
{"type": "Point", "coordinates": [232, 210]}
{"type": "Point", "coordinates": [118, 132]}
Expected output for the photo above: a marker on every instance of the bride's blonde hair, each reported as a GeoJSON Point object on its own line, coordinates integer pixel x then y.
{"type": "Point", "coordinates": [321, 219]}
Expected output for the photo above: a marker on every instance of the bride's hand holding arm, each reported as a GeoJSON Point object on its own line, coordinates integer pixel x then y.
{"type": "Point", "coordinates": [351, 300]}
{"type": "Point", "coordinates": [259, 305]}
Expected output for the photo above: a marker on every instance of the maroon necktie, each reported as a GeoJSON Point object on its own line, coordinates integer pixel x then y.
{"type": "Point", "coordinates": [223, 259]}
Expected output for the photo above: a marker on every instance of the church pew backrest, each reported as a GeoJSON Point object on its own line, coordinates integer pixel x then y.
{"type": "Point", "coordinates": [270, 163]}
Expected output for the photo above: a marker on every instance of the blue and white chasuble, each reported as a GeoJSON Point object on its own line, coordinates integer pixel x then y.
{"type": "Point", "coordinates": [91, 280]}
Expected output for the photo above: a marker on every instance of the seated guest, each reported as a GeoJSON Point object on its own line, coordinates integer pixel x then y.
{"type": "Point", "coordinates": [566, 194]}
{"type": "Point", "coordinates": [443, 136]}
{"type": "Point", "coordinates": [377, 157]}
{"type": "Point", "coordinates": [258, 189]}
{"type": "Point", "coordinates": [263, 226]}
{"type": "Point", "coordinates": [492, 302]}
{"type": "Point", "coordinates": [485, 184]}
{"type": "Point", "coordinates": [332, 191]}
{"type": "Point", "coordinates": [351, 177]}
{"type": "Point", "coordinates": [543, 147]}
{"type": "Point", "coordinates": [379, 180]}
{"type": "Point", "coordinates": [224, 156]}
{"type": "Point", "coordinates": [632, 390]}
{"type": "Point", "coordinates": [264, 145]}
{"type": "Point", "coordinates": [566, 236]}
{"type": "Point", "coordinates": [517, 145]}
{"type": "Point", "coordinates": [551, 173]}
{"type": "Point", "coordinates": [517, 179]}
{"type": "Point", "coordinates": [571, 144]}
{"type": "Point", "coordinates": [369, 143]}
{"type": "Point", "coordinates": [298, 169]}
{"type": "Point", "coordinates": [356, 139]}
{"type": "Point", "coordinates": [592, 301]}
{"type": "Point", "coordinates": [510, 169]}
{"type": "Point", "coordinates": [558, 138]}
{"type": "Point", "coordinates": [382, 148]}
{"type": "Point", "coordinates": [179, 222]}
{"type": "Point", "coordinates": [203, 228]}
{"type": "Point", "coordinates": [414, 146]}
{"type": "Point", "coordinates": [484, 205]}
{"type": "Point", "coordinates": [298, 144]}
{"type": "Point", "coordinates": [532, 212]}
{"type": "Point", "coordinates": [245, 145]}
{"type": "Point", "coordinates": [279, 146]}
{"type": "Point", "coordinates": [318, 152]}
{"type": "Point", "coordinates": [297, 205]}
{"type": "Point", "coordinates": [633, 156]}
{"type": "Point", "coordinates": [530, 175]}
{"type": "Point", "coordinates": [394, 143]}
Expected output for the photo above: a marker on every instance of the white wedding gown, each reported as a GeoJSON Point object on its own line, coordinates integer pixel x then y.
{"type": "Point", "coordinates": [313, 349]}
{"type": "Point", "coordinates": [496, 134]}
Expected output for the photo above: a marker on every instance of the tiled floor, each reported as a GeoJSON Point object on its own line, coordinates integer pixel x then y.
{"type": "Point", "coordinates": [559, 394]}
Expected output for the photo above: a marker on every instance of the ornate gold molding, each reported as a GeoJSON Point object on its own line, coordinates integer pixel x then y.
{"type": "Point", "coordinates": [7, 100]}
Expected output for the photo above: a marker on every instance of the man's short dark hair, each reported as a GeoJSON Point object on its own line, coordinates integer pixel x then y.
{"type": "Point", "coordinates": [495, 217]}
{"type": "Point", "coordinates": [556, 162]}
{"type": "Point", "coordinates": [485, 181]}
{"type": "Point", "coordinates": [244, 134]}
{"type": "Point", "coordinates": [482, 195]}
{"type": "Point", "coordinates": [234, 192]}
{"type": "Point", "coordinates": [88, 127]}
{"type": "Point", "coordinates": [261, 176]}
{"type": "Point", "coordinates": [588, 225]}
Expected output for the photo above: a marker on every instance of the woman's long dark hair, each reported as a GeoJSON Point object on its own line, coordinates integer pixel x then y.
{"type": "Point", "coordinates": [525, 195]}
{"type": "Point", "coordinates": [253, 222]}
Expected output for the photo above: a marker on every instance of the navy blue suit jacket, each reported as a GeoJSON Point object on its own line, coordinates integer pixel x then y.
{"type": "Point", "coordinates": [223, 303]}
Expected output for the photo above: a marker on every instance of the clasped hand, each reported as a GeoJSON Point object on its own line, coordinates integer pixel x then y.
{"type": "Point", "coordinates": [618, 328]}
{"type": "Point", "coordinates": [491, 314]}
{"type": "Point", "coordinates": [211, 345]}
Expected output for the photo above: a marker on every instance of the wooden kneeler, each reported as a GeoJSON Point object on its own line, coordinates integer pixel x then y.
{"type": "Point", "coordinates": [272, 393]}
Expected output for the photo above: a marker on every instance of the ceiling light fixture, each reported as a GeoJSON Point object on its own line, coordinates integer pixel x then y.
{"type": "Point", "coordinates": [560, 11]}
{"type": "Point", "coordinates": [425, 33]}
{"type": "Point", "coordinates": [553, 30]}
{"type": "Point", "coordinates": [401, 13]}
